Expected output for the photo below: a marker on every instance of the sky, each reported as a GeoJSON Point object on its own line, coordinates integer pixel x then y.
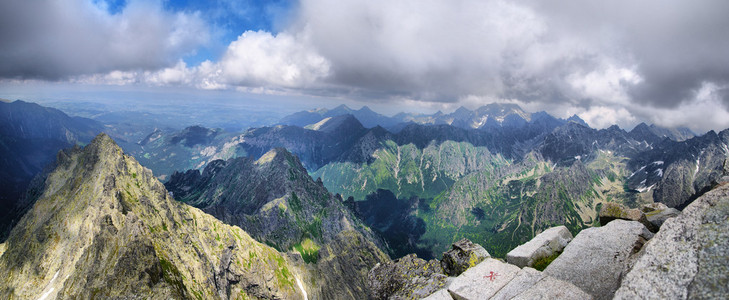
{"type": "Point", "coordinates": [610, 62]}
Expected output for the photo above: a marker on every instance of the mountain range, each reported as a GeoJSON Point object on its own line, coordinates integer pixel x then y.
{"type": "Point", "coordinates": [297, 211]}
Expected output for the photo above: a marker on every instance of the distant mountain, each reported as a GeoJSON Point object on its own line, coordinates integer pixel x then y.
{"type": "Point", "coordinates": [488, 116]}
{"type": "Point", "coordinates": [678, 172]}
{"type": "Point", "coordinates": [30, 137]}
{"type": "Point", "coordinates": [167, 151]}
{"type": "Point", "coordinates": [365, 115]}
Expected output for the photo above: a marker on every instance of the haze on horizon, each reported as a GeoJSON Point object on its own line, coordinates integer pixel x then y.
{"type": "Point", "coordinates": [617, 62]}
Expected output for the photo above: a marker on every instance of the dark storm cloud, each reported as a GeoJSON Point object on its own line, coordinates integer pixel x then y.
{"type": "Point", "coordinates": [677, 46]}
{"type": "Point", "coordinates": [55, 39]}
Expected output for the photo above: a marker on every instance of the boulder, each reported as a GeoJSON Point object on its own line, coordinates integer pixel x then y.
{"type": "Point", "coordinates": [656, 206]}
{"type": "Point", "coordinates": [482, 281]}
{"type": "Point", "coordinates": [545, 244]}
{"type": "Point", "coordinates": [688, 257]}
{"type": "Point", "coordinates": [553, 288]}
{"type": "Point", "coordinates": [658, 217]}
{"type": "Point", "coordinates": [409, 277]}
{"type": "Point", "coordinates": [526, 278]}
{"type": "Point", "coordinates": [532, 284]}
{"type": "Point", "coordinates": [597, 258]}
{"type": "Point", "coordinates": [613, 211]}
{"type": "Point", "coordinates": [463, 255]}
{"type": "Point", "coordinates": [439, 295]}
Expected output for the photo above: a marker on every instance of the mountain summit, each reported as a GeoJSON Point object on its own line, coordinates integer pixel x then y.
{"type": "Point", "coordinates": [104, 227]}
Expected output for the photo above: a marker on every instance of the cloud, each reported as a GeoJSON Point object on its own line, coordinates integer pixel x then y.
{"type": "Point", "coordinates": [609, 62]}
{"type": "Point", "coordinates": [259, 58]}
{"type": "Point", "coordinates": [57, 39]}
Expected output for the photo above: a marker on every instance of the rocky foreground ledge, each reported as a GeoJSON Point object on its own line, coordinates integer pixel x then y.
{"type": "Point", "coordinates": [688, 258]}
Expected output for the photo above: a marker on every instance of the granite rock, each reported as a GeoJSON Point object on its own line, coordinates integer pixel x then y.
{"type": "Point", "coordinates": [463, 255]}
{"type": "Point", "coordinates": [439, 295]}
{"type": "Point", "coordinates": [545, 244]}
{"type": "Point", "coordinates": [482, 281]}
{"type": "Point", "coordinates": [613, 211]}
{"type": "Point", "coordinates": [596, 258]}
{"type": "Point", "coordinates": [688, 257]}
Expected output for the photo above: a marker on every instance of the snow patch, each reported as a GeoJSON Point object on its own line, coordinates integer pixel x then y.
{"type": "Point", "coordinates": [318, 125]}
{"type": "Point", "coordinates": [48, 293]}
{"type": "Point", "coordinates": [641, 169]}
{"type": "Point", "coordinates": [208, 151]}
{"type": "Point", "coordinates": [659, 172]}
{"type": "Point", "coordinates": [658, 162]}
{"type": "Point", "coordinates": [301, 286]}
{"type": "Point", "coordinates": [645, 189]}
{"type": "Point", "coordinates": [698, 163]}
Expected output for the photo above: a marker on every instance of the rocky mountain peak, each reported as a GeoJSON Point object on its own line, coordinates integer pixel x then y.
{"type": "Point", "coordinates": [280, 158]}
{"type": "Point", "coordinates": [338, 124]}
{"type": "Point", "coordinates": [577, 119]}
{"type": "Point", "coordinates": [105, 227]}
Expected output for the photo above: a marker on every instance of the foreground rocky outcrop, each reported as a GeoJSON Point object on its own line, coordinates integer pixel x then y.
{"type": "Point", "coordinates": [597, 258]}
{"type": "Point", "coordinates": [615, 211]}
{"type": "Point", "coordinates": [463, 255]}
{"type": "Point", "coordinates": [657, 213]}
{"type": "Point", "coordinates": [688, 257]}
{"type": "Point", "coordinates": [493, 279]}
{"type": "Point", "coordinates": [409, 277]}
{"type": "Point", "coordinates": [104, 227]}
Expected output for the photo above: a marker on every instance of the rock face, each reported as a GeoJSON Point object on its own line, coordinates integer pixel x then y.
{"type": "Point", "coordinates": [612, 211]}
{"type": "Point", "coordinates": [409, 277]}
{"type": "Point", "coordinates": [596, 258]}
{"type": "Point", "coordinates": [545, 244]}
{"type": "Point", "coordinates": [104, 227]}
{"type": "Point", "coordinates": [342, 268]}
{"type": "Point", "coordinates": [688, 258]}
{"type": "Point", "coordinates": [463, 255]}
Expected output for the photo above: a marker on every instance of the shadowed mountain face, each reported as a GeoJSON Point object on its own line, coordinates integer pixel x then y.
{"type": "Point", "coordinates": [30, 137]}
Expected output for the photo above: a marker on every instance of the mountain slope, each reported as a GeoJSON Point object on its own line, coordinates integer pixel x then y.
{"type": "Point", "coordinates": [105, 227]}
{"type": "Point", "coordinates": [275, 200]}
